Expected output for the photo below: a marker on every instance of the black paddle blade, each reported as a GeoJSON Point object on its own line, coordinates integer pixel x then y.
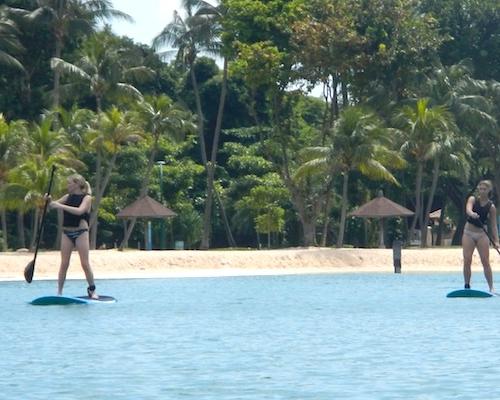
{"type": "Point", "coordinates": [29, 270]}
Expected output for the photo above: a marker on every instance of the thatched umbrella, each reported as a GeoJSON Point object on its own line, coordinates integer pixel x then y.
{"type": "Point", "coordinates": [381, 207]}
{"type": "Point", "coordinates": [146, 207]}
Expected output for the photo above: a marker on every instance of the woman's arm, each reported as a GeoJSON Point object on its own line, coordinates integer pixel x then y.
{"type": "Point", "coordinates": [81, 209]}
{"type": "Point", "coordinates": [468, 208]}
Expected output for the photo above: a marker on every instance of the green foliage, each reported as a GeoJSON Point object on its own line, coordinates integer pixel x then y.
{"type": "Point", "coordinates": [472, 29]}
{"type": "Point", "coordinates": [286, 159]}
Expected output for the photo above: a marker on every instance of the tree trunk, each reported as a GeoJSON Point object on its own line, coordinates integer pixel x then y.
{"type": "Point", "coordinates": [229, 234]}
{"type": "Point", "coordinates": [4, 230]}
{"type": "Point", "coordinates": [328, 198]}
{"type": "Point", "coordinates": [309, 228]}
{"type": "Point", "coordinates": [343, 212]}
{"type": "Point", "coordinates": [35, 228]}
{"type": "Point", "coordinates": [56, 95]}
{"type": "Point", "coordinates": [439, 238]}
{"type": "Point", "coordinates": [143, 192]}
{"type": "Point", "coordinates": [418, 190]}
{"type": "Point", "coordinates": [345, 94]}
{"type": "Point", "coordinates": [207, 213]}
{"type": "Point", "coordinates": [327, 220]}
{"type": "Point", "coordinates": [205, 237]}
{"type": "Point", "coordinates": [98, 198]}
{"type": "Point", "coordinates": [210, 167]}
{"type": "Point", "coordinates": [435, 177]}
{"type": "Point", "coordinates": [456, 195]}
{"type": "Point", "coordinates": [128, 232]}
{"type": "Point", "coordinates": [21, 237]}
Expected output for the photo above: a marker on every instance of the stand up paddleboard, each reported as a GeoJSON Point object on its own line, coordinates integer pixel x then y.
{"type": "Point", "coordinates": [469, 293]}
{"type": "Point", "coordinates": [65, 300]}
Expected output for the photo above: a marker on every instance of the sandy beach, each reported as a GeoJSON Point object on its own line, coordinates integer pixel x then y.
{"type": "Point", "coordinates": [113, 264]}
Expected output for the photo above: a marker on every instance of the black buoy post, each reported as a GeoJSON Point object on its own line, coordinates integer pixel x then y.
{"type": "Point", "coordinates": [396, 255]}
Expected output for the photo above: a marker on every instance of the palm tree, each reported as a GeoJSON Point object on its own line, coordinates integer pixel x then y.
{"type": "Point", "coordinates": [359, 143]}
{"type": "Point", "coordinates": [102, 69]}
{"type": "Point", "coordinates": [10, 45]}
{"type": "Point", "coordinates": [487, 135]}
{"type": "Point", "coordinates": [454, 87]}
{"type": "Point", "coordinates": [65, 16]}
{"type": "Point", "coordinates": [159, 116]}
{"type": "Point", "coordinates": [190, 36]}
{"type": "Point", "coordinates": [11, 148]}
{"type": "Point", "coordinates": [214, 16]}
{"type": "Point", "coordinates": [362, 145]}
{"type": "Point", "coordinates": [453, 153]}
{"type": "Point", "coordinates": [467, 99]}
{"type": "Point", "coordinates": [30, 181]}
{"type": "Point", "coordinates": [44, 148]}
{"type": "Point", "coordinates": [422, 131]}
{"type": "Point", "coordinates": [114, 129]}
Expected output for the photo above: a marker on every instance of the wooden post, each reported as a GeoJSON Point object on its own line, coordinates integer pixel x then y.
{"type": "Point", "coordinates": [396, 255]}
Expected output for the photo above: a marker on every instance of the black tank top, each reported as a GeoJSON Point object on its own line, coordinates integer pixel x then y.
{"type": "Point", "coordinates": [482, 211]}
{"type": "Point", "coordinates": [73, 220]}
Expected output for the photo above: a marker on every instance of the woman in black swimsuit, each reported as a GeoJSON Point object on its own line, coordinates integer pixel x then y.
{"type": "Point", "coordinates": [76, 214]}
{"type": "Point", "coordinates": [479, 211]}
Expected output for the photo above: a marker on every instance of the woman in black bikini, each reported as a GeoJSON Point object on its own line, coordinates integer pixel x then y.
{"type": "Point", "coordinates": [479, 210]}
{"type": "Point", "coordinates": [76, 214]}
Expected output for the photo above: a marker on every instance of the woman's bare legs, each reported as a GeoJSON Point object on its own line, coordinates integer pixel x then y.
{"type": "Point", "coordinates": [66, 249]}
{"type": "Point", "coordinates": [468, 246]}
{"type": "Point", "coordinates": [82, 245]}
{"type": "Point", "coordinates": [483, 247]}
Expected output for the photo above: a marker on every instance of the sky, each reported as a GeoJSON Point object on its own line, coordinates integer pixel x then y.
{"type": "Point", "coordinates": [150, 17]}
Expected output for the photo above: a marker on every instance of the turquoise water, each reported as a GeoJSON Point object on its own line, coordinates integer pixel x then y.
{"type": "Point", "coordinates": [355, 336]}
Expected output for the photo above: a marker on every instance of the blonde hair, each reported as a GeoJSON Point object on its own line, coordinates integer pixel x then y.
{"type": "Point", "coordinates": [82, 183]}
{"type": "Point", "coordinates": [487, 183]}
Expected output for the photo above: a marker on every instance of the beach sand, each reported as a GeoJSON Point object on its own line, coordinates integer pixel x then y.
{"type": "Point", "coordinates": [113, 264]}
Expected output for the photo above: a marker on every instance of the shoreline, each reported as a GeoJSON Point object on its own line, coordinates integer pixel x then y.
{"type": "Point", "coordinates": [128, 264]}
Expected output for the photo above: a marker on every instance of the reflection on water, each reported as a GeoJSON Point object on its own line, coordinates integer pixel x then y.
{"type": "Point", "coordinates": [357, 336]}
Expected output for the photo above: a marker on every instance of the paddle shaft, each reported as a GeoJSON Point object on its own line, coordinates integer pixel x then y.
{"type": "Point", "coordinates": [44, 212]}
{"type": "Point", "coordinates": [491, 240]}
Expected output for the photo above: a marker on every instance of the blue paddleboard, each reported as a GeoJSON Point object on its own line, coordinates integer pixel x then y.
{"type": "Point", "coordinates": [469, 293]}
{"type": "Point", "coordinates": [65, 300]}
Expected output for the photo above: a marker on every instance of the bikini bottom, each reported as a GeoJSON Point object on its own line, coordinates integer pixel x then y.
{"type": "Point", "coordinates": [475, 236]}
{"type": "Point", "coordinates": [73, 235]}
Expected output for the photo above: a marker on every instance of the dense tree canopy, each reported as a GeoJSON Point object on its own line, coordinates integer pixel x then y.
{"type": "Point", "coordinates": [227, 132]}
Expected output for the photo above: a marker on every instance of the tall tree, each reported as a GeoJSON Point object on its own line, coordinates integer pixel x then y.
{"type": "Point", "coordinates": [159, 117]}
{"type": "Point", "coordinates": [422, 129]}
{"type": "Point", "coordinates": [359, 143]}
{"type": "Point", "coordinates": [10, 44]}
{"type": "Point", "coordinates": [46, 147]}
{"type": "Point", "coordinates": [65, 17]}
{"type": "Point", "coordinates": [196, 33]}
{"type": "Point", "coordinates": [103, 69]}
{"type": "Point", "coordinates": [114, 129]}
{"type": "Point", "coordinates": [214, 16]}
{"type": "Point", "coordinates": [11, 147]}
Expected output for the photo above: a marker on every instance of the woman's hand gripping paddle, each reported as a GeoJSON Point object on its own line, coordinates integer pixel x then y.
{"type": "Point", "coordinates": [30, 268]}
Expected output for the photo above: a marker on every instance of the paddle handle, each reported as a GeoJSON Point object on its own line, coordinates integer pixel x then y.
{"type": "Point", "coordinates": [44, 212]}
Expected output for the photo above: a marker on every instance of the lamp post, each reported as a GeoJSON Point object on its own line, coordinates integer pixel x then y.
{"type": "Point", "coordinates": [161, 163]}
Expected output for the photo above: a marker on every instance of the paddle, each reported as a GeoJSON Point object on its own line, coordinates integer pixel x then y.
{"type": "Point", "coordinates": [491, 240]}
{"type": "Point", "coordinates": [30, 268]}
